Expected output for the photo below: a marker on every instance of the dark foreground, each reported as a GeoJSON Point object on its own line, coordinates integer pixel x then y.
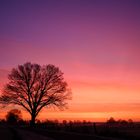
{"type": "Point", "coordinates": [26, 133]}
{"type": "Point", "coordinates": [12, 133]}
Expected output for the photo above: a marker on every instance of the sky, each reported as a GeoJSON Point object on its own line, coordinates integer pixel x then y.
{"type": "Point", "coordinates": [96, 43]}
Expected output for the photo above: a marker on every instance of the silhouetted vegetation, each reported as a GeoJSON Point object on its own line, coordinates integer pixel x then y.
{"type": "Point", "coordinates": [122, 129]}
{"type": "Point", "coordinates": [13, 116]}
{"type": "Point", "coordinates": [34, 87]}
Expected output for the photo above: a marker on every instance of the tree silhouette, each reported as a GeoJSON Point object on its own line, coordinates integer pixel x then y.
{"type": "Point", "coordinates": [13, 116]}
{"type": "Point", "coordinates": [34, 87]}
{"type": "Point", "coordinates": [111, 121]}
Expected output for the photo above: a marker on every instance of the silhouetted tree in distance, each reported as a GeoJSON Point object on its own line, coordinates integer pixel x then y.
{"type": "Point", "coordinates": [13, 116]}
{"type": "Point", "coordinates": [111, 121]}
{"type": "Point", "coordinates": [34, 87]}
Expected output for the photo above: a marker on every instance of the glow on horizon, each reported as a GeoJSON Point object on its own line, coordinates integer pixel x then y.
{"type": "Point", "coordinates": [95, 43]}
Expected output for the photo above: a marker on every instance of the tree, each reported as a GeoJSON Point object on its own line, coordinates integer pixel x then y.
{"type": "Point", "coordinates": [111, 121]}
{"type": "Point", "coordinates": [13, 116]}
{"type": "Point", "coordinates": [34, 87]}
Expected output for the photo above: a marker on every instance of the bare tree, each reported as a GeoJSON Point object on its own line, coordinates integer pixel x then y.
{"type": "Point", "coordinates": [34, 87]}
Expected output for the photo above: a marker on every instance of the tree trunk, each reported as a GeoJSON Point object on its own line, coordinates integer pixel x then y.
{"type": "Point", "coordinates": [32, 122]}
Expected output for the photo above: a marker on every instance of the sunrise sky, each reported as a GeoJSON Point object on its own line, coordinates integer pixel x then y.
{"type": "Point", "coordinates": [96, 43]}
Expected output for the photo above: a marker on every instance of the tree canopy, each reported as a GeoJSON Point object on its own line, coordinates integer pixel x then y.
{"type": "Point", "coordinates": [34, 87]}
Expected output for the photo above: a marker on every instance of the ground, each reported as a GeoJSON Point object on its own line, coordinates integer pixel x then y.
{"type": "Point", "coordinates": [11, 133]}
{"type": "Point", "coordinates": [14, 133]}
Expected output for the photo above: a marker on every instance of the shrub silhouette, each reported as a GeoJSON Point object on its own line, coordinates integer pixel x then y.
{"type": "Point", "coordinates": [13, 116]}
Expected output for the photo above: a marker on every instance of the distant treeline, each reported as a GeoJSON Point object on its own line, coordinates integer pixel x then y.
{"type": "Point", "coordinates": [125, 129]}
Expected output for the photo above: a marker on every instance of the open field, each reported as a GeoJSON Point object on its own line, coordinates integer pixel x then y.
{"type": "Point", "coordinates": [11, 133]}
{"type": "Point", "coordinates": [57, 135]}
{"type": "Point", "coordinates": [103, 131]}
